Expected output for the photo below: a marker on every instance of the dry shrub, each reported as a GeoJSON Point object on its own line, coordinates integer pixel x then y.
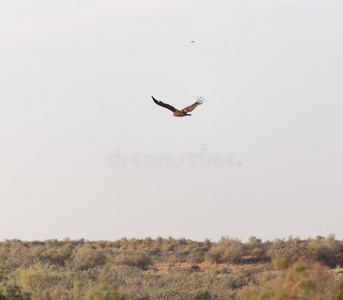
{"type": "Point", "coordinates": [140, 260]}
{"type": "Point", "coordinates": [87, 257]}
{"type": "Point", "coordinates": [287, 252]}
{"type": "Point", "coordinates": [39, 278]}
{"type": "Point", "coordinates": [227, 250]}
{"type": "Point", "coordinates": [300, 281]}
{"type": "Point", "coordinates": [328, 251]}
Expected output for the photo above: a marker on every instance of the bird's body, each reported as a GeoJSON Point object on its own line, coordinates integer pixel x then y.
{"type": "Point", "coordinates": [183, 112]}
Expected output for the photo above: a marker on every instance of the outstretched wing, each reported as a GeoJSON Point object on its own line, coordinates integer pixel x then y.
{"type": "Point", "coordinates": [199, 101]}
{"type": "Point", "coordinates": [160, 103]}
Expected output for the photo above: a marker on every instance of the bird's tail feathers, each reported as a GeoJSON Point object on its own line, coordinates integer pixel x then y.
{"type": "Point", "coordinates": [200, 100]}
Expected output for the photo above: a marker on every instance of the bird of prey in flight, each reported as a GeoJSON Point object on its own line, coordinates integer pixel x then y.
{"type": "Point", "coordinates": [183, 112]}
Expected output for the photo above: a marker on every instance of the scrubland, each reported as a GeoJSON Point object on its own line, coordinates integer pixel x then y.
{"type": "Point", "coordinates": [167, 269]}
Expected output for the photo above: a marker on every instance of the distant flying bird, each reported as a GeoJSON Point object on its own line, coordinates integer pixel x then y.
{"type": "Point", "coordinates": [192, 42]}
{"type": "Point", "coordinates": [183, 112]}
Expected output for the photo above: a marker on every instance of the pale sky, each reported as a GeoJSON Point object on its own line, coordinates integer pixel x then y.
{"type": "Point", "coordinates": [81, 139]}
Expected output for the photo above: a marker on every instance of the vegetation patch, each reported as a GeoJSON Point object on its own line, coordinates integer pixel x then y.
{"type": "Point", "coordinates": [167, 269]}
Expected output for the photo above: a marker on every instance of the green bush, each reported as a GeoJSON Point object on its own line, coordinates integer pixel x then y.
{"type": "Point", "coordinates": [105, 289]}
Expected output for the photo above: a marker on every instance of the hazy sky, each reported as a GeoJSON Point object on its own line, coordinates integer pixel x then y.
{"type": "Point", "coordinates": [82, 141]}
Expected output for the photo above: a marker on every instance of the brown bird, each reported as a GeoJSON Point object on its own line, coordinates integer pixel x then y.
{"type": "Point", "coordinates": [183, 112]}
